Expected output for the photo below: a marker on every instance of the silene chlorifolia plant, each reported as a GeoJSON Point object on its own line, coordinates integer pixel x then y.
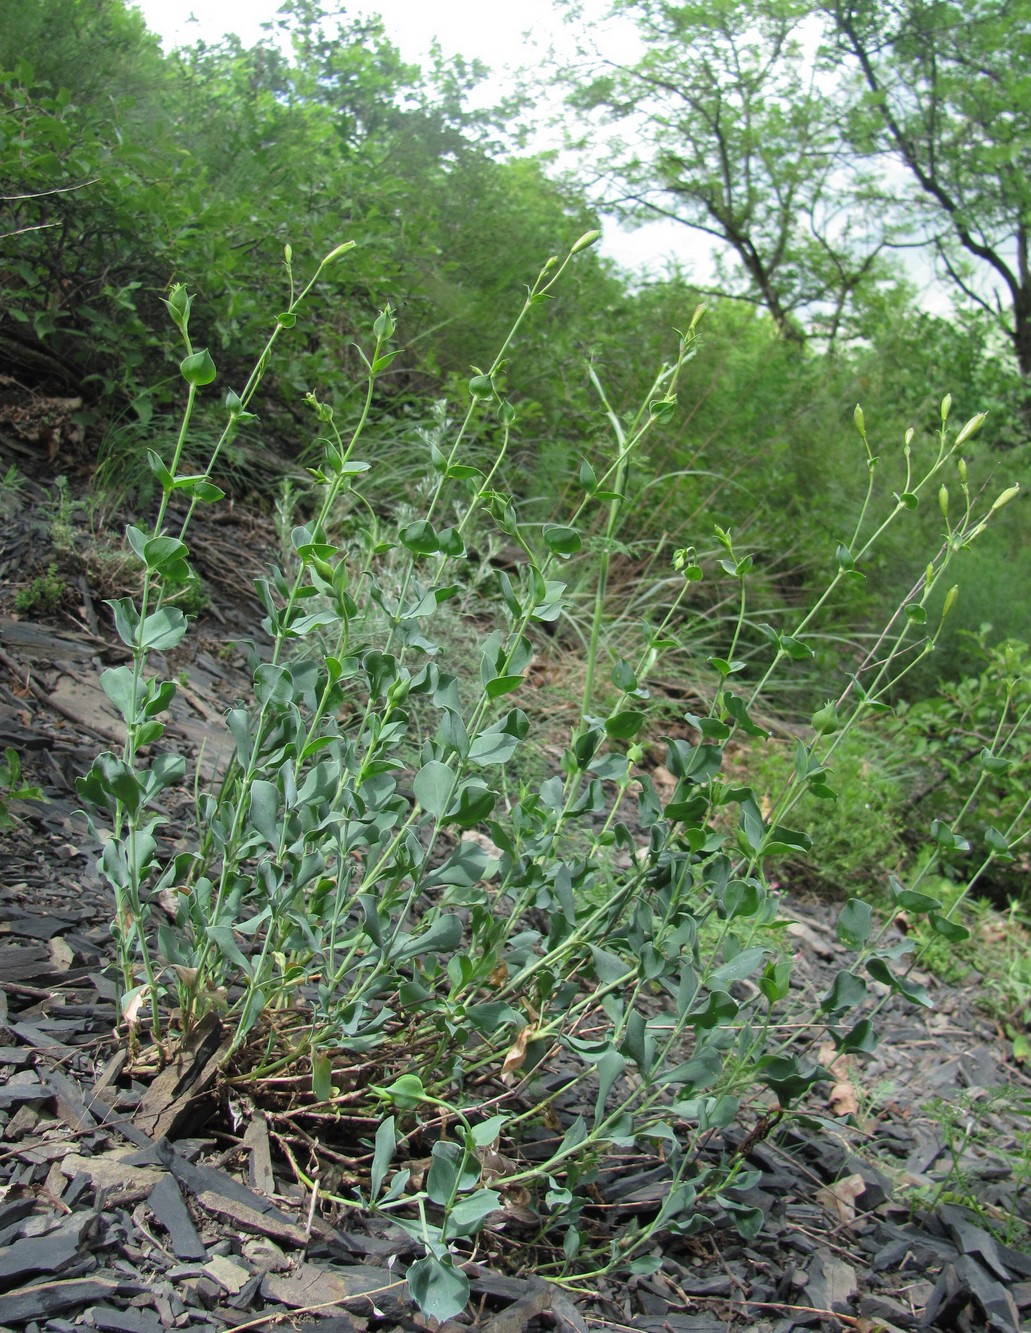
{"type": "Point", "coordinates": [412, 958]}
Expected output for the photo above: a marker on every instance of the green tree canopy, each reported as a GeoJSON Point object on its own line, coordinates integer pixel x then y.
{"type": "Point", "coordinates": [808, 140]}
{"type": "Point", "coordinates": [943, 91]}
{"type": "Point", "coordinates": [721, 124]}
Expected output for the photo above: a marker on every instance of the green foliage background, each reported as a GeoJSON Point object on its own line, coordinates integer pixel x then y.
{"type": "Point", "coordinates": [125, 170]}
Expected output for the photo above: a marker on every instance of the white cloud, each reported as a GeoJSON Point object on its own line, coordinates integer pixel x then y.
{"type": "Point", "coordinates": [504, 37]}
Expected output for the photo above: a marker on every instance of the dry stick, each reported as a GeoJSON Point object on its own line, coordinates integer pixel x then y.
{"type": "Point", "coordinates": [849, 1321]}
{"type": "Point", "coordinates": [42, 194]}
{"type": "Point", "coordinates": [22, 231]}
{"type": "Point", "coordinates": [27, 1145]}
{"type": "Point", "coordinates": [311, 1212]}
{"type": "Point", "coordinates": [278, 1316]}
{"type": "Point", "coordinates": [31, 992]}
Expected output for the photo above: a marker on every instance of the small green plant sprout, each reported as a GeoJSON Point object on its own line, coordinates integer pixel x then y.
{"type": "Point", "coordinates": [969, 1127]}
{"type": "Point", "coordinates": [12, 483]}
{"type": "Point", "coordinates": [62, 522]}
{"type": "Point", "coordinates": [13, 789]}
{"type": "Point", "coordinates": [383, 938]}
{"type": "Point", "coordinates": [43, 595]}
{"type": "Point", "coordinates": [452, 1204]}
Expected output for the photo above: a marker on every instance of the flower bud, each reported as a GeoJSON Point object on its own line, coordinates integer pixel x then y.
{"type": "Point", "coordinates": [340, 250]}
{"type": "Point", "coordinates": [586, 240]}
{"type": "Point", "coordinates": [685, 561]}
{"type": "Point", "coordinates": [961, 468]}
{"type": "Point", "coordinates": [943, 500]}
{"type": "Point", "coordinates": [179, 300]}
{"type": "Point", "coordinates": [946, 405]}
{"type": "Point", "coordinates": [857, 417]}
{"type": "Point", "coordinates": [971, 428]}
{"type": "Point", "coordinates": [825, 719]}
{"type": "Point", "coordinates": [178, 306]}
{"type": "Point", "coordinates": [384, 324]}
{"type": "Point", "coordinates": [1005, 497]}
{"type": "Point", "coordinates": [950, 600]}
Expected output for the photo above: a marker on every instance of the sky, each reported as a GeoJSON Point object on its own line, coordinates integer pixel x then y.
{"type": "Point", "coordinates": [505, 36]}
{"type": "Point", "coordinates": [497, 34]}
{"type": "Point", "coordinates": [494, 33]}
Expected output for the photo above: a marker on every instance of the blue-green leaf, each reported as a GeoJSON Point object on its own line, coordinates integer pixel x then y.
{"type": "Point", "coordinates": [198, 369]}
{"type": "Point", "coordinates": [438, 1288]}
{"type": "Point", "coordinates": [561, 540]}
{"type": "Point", "coordinates": [433, 786]}
{"type": "Point", "coordinates": [386, 1142]}
{"type": "Point", "coordinates": [855, 923]}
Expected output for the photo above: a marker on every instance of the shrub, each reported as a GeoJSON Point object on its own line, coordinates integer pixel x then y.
{"type": "Point", "coordinates": [861, 826]}
{"type": "Point", "coordinates": [976, 726]}
{"type": "Point", "coordinates": [384, 943]}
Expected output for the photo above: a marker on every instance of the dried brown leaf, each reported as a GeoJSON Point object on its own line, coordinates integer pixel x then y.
{"type": "Point", "coordinates": [840, 1198]}
{"type": "Point", "coordinates": [517, 1051]}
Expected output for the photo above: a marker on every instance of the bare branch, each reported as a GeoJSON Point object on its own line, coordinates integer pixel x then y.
{"type": "Point", "coordinates": [42, 194]}
{"type": "Point", "coordinates": [39, 226]}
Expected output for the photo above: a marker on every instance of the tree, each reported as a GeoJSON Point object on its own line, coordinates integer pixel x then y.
{"type": "Point", "coordinates": [202, 165]}
{"type": "Point", "coordinates": [85, 152]}
{"type": "Point", "coordinates": [943, 89]}
{"type": "Point", "coordinates": [123, 170]}
{"type": "Point", "coordinates": [723, 126]}
{"type": "Point", "coordinates": [910, 130]}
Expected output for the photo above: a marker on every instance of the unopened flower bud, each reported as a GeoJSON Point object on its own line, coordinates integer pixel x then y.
{"type": "Point", "coordinates": [971, 428]}
{"type": "Point", "coordinates": [1005, 497]}
{"type": "Point", "coordinates": [946, 405]}
{"type": "Point", "coordinates": [950, 600]}
{"type": "Point", "coordinates": [340, 250]}
{"type": "Point", "coordinates": [384, 324]}
{"type": "Point", "coordinates": [178, 304]}
{"type": "Point", "coordinates": [857, 417]}
{"type": "Point", "coordinates": [586, 240]}
{"type": "Point", "coordinates": [825, 719]}
{"type": "Point", "coordinates": [943, 500]}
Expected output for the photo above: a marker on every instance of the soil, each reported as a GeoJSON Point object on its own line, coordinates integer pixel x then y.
{"type": "Point", "coordinates": [132, 1200]}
